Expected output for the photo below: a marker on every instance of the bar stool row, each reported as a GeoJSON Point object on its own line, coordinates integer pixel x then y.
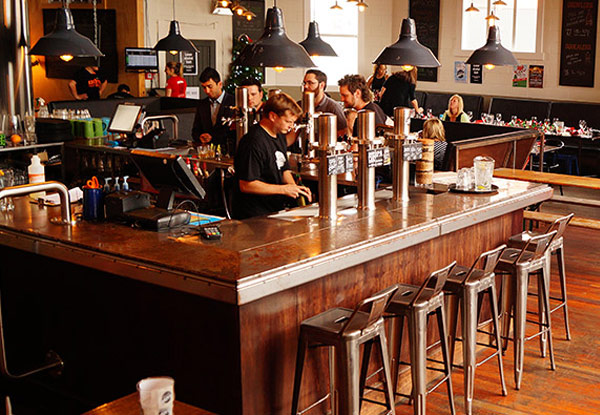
{"type": "Point", "coordinates": [344, 330]}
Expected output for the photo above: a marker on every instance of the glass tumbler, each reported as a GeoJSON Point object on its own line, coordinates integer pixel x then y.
{"type": "Point", "coordinates": [484, 171]}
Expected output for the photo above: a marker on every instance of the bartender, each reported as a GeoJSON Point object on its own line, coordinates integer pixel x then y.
{"type": "Point", "coordinates": [264, 181]}
{"type": "Point", "coordinates": [87, 83]}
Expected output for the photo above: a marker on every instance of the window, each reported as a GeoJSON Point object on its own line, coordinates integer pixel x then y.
{"type": "Point", "coordinates": [517, 22]}
{"type": "Point", "coordinates": [339, 28]}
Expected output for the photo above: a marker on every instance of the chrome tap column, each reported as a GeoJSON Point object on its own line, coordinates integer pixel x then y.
{"type": "Point", "coordinates": [327, 124]}
{"type": "Point", "coordinates": [400, 170]}
{"type": "Point", "coordinates": [15, 67]}
{"type": "Point", "coordinates": [241, 105]}
{"type": "Point", "coordinates": [366, 174]}
{"type": "Point", "coordinates": [308, 132]}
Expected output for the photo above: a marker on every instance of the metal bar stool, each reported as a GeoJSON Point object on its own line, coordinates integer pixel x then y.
{"type": "Point", "coordinates": [470, 285]}
{"type": "Point", "coordinates": [556, 247]}
{"type": "Point", "coordinates": [416, 304]}
{"type": "Point", "coordinates": [519, 264]}
{"type": "Point", "coordinates": [345, 330]}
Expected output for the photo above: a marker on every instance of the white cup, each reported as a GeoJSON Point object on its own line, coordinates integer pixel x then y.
{"type": "Point", "coordinates": [157, 395]}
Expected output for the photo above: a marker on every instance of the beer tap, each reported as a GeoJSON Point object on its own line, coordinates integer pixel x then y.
{"type": "Point", "coordinates": [333, 160]}
{"type": "Point", "coordinates": [371, 154]}
{"type": "Point", "coordinates": [405, 150]}
{"type": "Point", "coordinates": [240, 116]}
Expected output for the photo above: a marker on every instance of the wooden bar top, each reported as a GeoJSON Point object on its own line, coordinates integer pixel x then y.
{"type": "Point", "coordinates": [264, 255]}
{"type": "Point", "coordinates": [129, 405]}
{"type": "Point", "coordinates": [550, 178]}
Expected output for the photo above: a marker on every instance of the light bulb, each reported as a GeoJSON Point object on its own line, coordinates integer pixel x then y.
{"type": "Point", "coordinates": [173, 52]}
{"type": "Point", "coordinates": [489, 66]}
{"type": "Point", "coordinates": [66, 58]}
{"type": "Point", "coordinates": [224, 3]}
{"type": "Point", "coordinates": [362, 6]}
{"type": "Point", "coordinates": [239, 11]}
{"type": "Point", "coordinates": [278, 69]}
{"type": "Point", "coordinates": [248, 17]}
{"type": "Point", "coordinates": [407, 68]}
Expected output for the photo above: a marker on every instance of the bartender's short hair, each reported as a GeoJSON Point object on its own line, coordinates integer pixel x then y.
{"type": "Point", "coordinates": [357, 82]}
{"type": "Point", "coordinates": [320, 75]}
{"type": "Point", "coordinates": [250, 82]}
{"type": "Point", "coordinates": [280, 103]}
{"type": "Point", "coordinates": [210, 73]}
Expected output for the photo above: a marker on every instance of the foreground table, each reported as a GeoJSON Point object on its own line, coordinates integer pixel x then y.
{"type": "Point", "coordinates": [129, 405]}
{"type": "Point", "coordinates": [222, 317]}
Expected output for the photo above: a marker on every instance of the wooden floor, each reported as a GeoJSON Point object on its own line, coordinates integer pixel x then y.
{"type": "Point", "coordinates": [574, 388]}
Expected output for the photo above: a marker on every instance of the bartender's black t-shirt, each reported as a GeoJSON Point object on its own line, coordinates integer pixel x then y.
{"type": "Point", "coordinates": [259, 157]}
{"type": "Point", "coordinates": [88, 83]}
{"type": "Point", "coordinates": [380, 116]}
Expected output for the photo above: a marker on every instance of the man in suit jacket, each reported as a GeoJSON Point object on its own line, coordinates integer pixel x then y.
{"type": "Point", "coordinates": [208, 126]}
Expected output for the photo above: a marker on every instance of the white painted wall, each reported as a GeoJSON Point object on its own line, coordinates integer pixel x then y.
{"type": "Point", "coordinates": [379, 26]}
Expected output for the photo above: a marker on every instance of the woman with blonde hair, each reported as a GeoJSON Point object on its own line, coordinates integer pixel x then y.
{"type": "Point", "coordinates": [377, 79]}
{"type": "Point", "coordinates": [434, 129]}
{"type": "Point", "coordinates": [176, 85]}
{"type": "Point", "coordinates": [455, 111]}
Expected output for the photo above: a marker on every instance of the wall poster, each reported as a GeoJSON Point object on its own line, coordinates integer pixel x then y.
{"type": "Point", "coordinates": [536, 76]}
{"type": "Point", "coordinates": [460, 72]}
{"type": "Point", "coordinates": [519, 76]}
{"type": "Point", "coordinates": [476, 73]}
{"type": "Point", "coordinates": [578, 43]}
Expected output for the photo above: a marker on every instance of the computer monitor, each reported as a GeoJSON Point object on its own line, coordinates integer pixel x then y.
{"type": "Point", "coordinates": [168, 174]}
{"type": "Point", "coordinates": [141, 59]}
{"type": "Point", "coordinates": [125, 118]}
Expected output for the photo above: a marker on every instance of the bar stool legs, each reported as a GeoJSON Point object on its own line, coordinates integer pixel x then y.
{"type": "Point", "coordinates": [563, 289]}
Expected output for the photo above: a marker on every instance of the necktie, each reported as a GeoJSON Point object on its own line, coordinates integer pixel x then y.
{"type": "Point", "coordinates": [214, 109]}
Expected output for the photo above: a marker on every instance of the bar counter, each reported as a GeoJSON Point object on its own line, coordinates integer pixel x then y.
{"type": "Point", "coordinates": [229, 310]}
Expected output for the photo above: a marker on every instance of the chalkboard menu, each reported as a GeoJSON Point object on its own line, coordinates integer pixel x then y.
{"type": "Point", "coordinates": [578, 43]}
{"type": "Point", "coordinates": [252, 28]}
{"type": "Point", "coordinates": [427, 18]}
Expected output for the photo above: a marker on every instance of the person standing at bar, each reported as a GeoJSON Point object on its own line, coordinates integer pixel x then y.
{"type": "Point", "coordinates": [316, 81]}
{"type": "Point", "coordinates": [208, 127]}
{"type": "Point", "coordinates": [357, 96]}
{"type": "Point", "coordinates": [87, 83]}
{"type": "Point", "coordinates": [264, 181]}
{"type": "Point", "coordinates": [399, 91]}
{"type": "Point", "coordinates": [255, 98]}
{"type": "Point", "coordinates": [376, 81]}
{"type": "Point", "coordinates": [176, 85]}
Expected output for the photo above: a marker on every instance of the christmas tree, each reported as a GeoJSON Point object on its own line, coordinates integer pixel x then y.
{"type": "Point", "coordinates": [239, 73]}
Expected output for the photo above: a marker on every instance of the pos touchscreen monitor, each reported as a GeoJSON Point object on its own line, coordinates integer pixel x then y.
{"type": "Point", "coordinates": [125, 118]}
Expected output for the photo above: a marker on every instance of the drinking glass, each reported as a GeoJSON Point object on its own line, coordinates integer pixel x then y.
{"type": "Point", "coordinates": [429, 113]}
{"type": "Point", "coordinates": [29, 128]}
{"type": "Point", "coordinates": [470, 115]}
{"type": "Point", "coordinates": [463, 179]}
{"type": "Point", "coordinates": [3, 130]}
{"type": "Point", "coordinates": [6, 180]}
{"type": "Point", "coordinates": [484, 116]}
{"type": "Point", "coordinates": [499, 118]}
{"type": "Point", "coordinates": [533, 120]}
{"type": "Point", "coordinates": [489, 118]}
{"type": "Point", "coordinates": [583, 128]}
{"type": "Point", "coordinates": [560, 126]}
{"type": "Point", "coordinates": [513, 119]}
{"type": "Point", "coordinates": [484, 171]}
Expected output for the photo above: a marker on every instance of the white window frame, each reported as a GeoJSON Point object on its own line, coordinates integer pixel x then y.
{"type": "Point", "coordinates": [332, 83]}
{"type": "Point", "coordinates": [538, 55]}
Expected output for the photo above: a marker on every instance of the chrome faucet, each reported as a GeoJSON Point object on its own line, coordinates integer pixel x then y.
{"type": "Point", "coordinates": [63, 192]}
{"type": "Point", "coordinates": [171, 117]}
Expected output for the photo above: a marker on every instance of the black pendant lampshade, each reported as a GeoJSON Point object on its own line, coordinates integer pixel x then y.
{"type": "Point", "coordinates": [274, 49]}
{"type": "Point", "coordinates": [174, 42]}
{"type": "Point", "coordinates": [493, 53]}
{"type": "Point", "coordinates": [314, 45]}
{"type": "Point", "coordinates": [64, 40]}
{"type": "Point", "coordinates": [407, 50]}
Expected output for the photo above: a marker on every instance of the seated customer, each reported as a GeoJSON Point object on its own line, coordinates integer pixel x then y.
{"type": "Point", "coordinates": [434, 129]}
{"type": "Point", "coordinates": [264, 180]}
{"type": "Point", "coordinates": [455, 111]}
{"type": "Point", "coordinates": [123, 92]}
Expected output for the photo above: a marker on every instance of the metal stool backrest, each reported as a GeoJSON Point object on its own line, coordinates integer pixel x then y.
{"type": "Point", "coordinates": [542, 243]}
{"type": "Point", "coordinates": [490, 260]}
{"type": "Point", "coordinates": [436, 281]}
{"type": "Point", "coordinates": [560, 225]}
{"type": "Point", "coordinates": [377, 304]}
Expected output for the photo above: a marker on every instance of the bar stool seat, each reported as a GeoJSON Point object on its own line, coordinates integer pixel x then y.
{"type": "Point", "coordinates": [416, 304]}
{"type": "Point", "coordinates": [557, 248]}
{"type": "Point", "coordinates": [345, 330]}
{"type": "Point", "coordinates": [519, 264]}
{"type": "Point", "coordinates": [469, 285]}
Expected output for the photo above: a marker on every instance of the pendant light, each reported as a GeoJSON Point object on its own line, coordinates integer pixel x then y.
{"type": "Point", "coordinates": [274, 49]}
{"type": "Point", "coordinates": [174, 42]}
{"type": "Point", "coordinates": [407, 51]}
{"type": "Point", "coordinates": [492, 53]}
{"type": "Point", "coordinates": [362, 6]}
{"type": "Point", "coordinates": [64, 40]}
{"type": "Point", "coordinates": [314, 44]}
{"type": "Point", "coordinates": [499, 3]}
{"type": "Point", "coordinates": [336, 6]}
{"type": "Point", "coordinates": [472, 8]}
